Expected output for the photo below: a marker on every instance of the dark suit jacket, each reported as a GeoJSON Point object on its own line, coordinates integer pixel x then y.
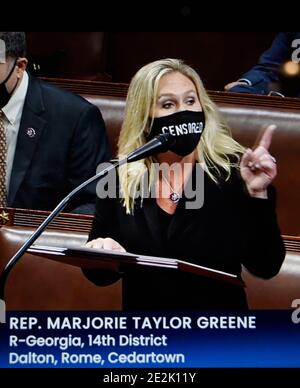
{"type": "Point", "coordinates": [61, 141]}
{"type": "Point", "coordinates": [267, 71]}
{"type": "Point", "coordinates": [230, 229]}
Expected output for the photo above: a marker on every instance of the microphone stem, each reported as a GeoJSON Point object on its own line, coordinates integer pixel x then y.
{"type": "Point", "coordinates": [62, 204]}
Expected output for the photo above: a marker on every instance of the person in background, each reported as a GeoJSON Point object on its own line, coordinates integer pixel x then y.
{"type": "Point", "coordinates": [234, 225]}
{"type": "Point", "coordinates": [277, 72]}
{"type": "Point", "coordinates": [51, 140]}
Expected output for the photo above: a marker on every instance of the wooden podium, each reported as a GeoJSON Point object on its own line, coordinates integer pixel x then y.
{"type": "Point", "coordinates": [57, 283]}
{"type": "Point", "coordinates": [51, 278]}
{"type": "Point", "coordinates": [118, 261]}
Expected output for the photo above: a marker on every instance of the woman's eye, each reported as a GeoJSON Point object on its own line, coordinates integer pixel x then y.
{"type": "Point", "coordinates": [191, 101]}
{"type": "Point", "coordinates": [167, 105]}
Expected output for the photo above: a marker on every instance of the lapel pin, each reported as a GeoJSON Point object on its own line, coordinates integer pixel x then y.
{"type": "Point", "coordinates": [30, 132]}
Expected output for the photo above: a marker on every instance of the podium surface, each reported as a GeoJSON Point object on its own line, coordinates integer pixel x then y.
{"type": "Point", "coordinates": [120, 261]}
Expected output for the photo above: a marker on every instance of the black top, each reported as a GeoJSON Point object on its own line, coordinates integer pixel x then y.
{"type": "Point", "coordinates": [164, 219]}
{"type": "Point", "coordinates": [229, 230]}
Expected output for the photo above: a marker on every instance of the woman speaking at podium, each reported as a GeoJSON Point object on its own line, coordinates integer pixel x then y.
{"type": "Point", "coordinates": [210, 199]}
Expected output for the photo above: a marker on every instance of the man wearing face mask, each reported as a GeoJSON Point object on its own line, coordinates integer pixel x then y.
{"type": "Point", "coordinates": [234, 223]}
{"type": "Point", "coordinates": [51, 139]}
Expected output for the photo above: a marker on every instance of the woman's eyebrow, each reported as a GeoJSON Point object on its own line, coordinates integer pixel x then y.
{"type": "Point", "coordinates": [170, 95]}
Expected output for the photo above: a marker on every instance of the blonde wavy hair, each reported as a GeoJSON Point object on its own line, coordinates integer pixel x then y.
{"type": "Point", "coordinates": [216, 149]}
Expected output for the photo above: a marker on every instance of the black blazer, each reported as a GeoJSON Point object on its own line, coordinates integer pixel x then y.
{"type": "Point", "coordinates": [229, 230]}
{"type": "Point", "coordinates": [61, 141]}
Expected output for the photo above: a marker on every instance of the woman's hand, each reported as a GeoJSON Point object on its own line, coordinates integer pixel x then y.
{"type": "Point", "coordinates": [258, 166]}
{"type": "Point", "coordinates": [105, 243]}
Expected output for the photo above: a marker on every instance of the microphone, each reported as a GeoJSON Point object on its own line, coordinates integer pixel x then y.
{"type": "Point", "coordinates": [159, 143]}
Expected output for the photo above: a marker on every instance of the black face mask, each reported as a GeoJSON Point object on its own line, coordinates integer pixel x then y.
{"type": "Point", "coordinates": [186, 127]}
{"type": "Point", "coordinates": [4, 95]}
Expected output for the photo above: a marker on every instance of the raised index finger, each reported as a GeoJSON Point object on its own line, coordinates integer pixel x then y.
{"type": "Point", "coordinates": [266, 138]}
